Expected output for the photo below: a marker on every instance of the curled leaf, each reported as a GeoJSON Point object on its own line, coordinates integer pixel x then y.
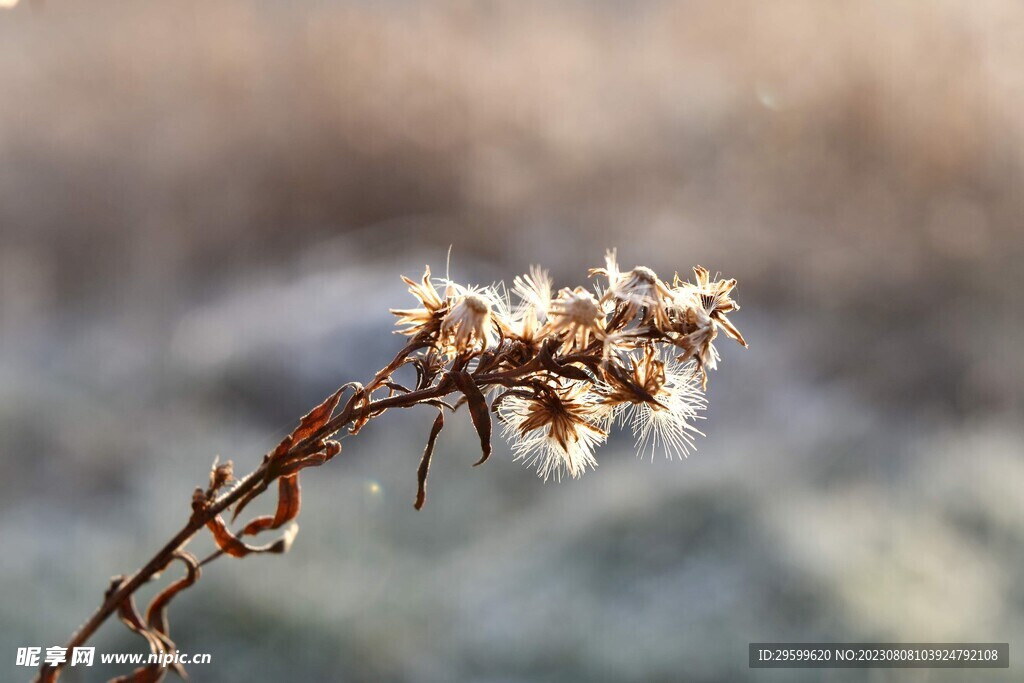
{"type": "Point", "coordinates": [226, 540]}
{"type": "Point", "coordinates": [427, 366]}
{"type": "Point", "coordinates": [421, 474]}
{"type": "Point", "coordinates": [288, 504]}
{"type": "Point", "coordinates": [158, 642]}
{"type": "Point", "coordinates": [156, 613]}
{"type": "Point", "coordinates": [235, 547]}
{"type": "Point", "coordinates": [331, 449]}
{"type": "Point", "coordinates": [284, 544]}
{"type": "Point", "coordinates": [477, 410]}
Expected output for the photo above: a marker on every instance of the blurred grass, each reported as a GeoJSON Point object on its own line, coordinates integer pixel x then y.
{"type": "Point", "coordinates": [178, 178]}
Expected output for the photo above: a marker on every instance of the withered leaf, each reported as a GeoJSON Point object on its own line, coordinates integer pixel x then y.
{"type": "Point", "coordinates": [317, 418]}
{"type": "Point", "coordinates": [226, 540]}
{"type": "Point", "coordinates": [235, 547]}
{"type": "Point", "coordinates": [289, 500]}
{"type": "Point", "coordinates": [427, 365]}
{"type": "Point", "coordinates": [257, 525]}
{"type": "Point", "coordinates": [158, 643]}
{"type": "Point", "coordinates": [331, 449]}
{"type": "Point", "coordinates": [156, 613]}
{"type": "Point", "coordinates": [288, 504]}
{"type": "Point", "coordinates": [477, 410]}
{"type": "Point", "coordinates": [421, 474]}
{"type": "Point", "coordinates": [282, 448]}
{"type": "Point", "coordinates": [129, 614]}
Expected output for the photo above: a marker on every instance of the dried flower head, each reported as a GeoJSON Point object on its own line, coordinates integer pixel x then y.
{"type": "Point", "coordinates": [557, 429]}
{"type": "Point", "coordinates": [639, 381]}
{"type": "Point", "coordinates": [567, 367]}
{"type": "Point", "coordinates": [523, 323]}
{"type": "Point", "coordinates": [637, 290]}
{"type": "Point", "coordinates": [575, 318]}
{"type": "Point", "coordinates": [695, 316]}
{"type": "Point", "coordinates": [695, 335]}
{"type": "Point", "coordinates": [534, 289]}
{"type": "Point", "coordinates": [467, 326]}
{"type": "Point", "coordinates": [620, 341]}
{"type": "Point", "coordinates": [659, 397]}
{"type": "Point", "coordinates": [221, 474]}
{"type": "Point", "coordinates": [523, 327]}
{"type": "Point", "coordinates": [714, 299]}
{"type": "Point", "coordinates": [427, 318]}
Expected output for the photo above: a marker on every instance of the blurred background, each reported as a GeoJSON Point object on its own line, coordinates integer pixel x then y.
{"type": "Point", "coordinates": [204, 211]}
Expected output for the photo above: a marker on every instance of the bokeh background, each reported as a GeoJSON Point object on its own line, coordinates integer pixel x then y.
{"type": "Point", "coordinates": [204, 210]}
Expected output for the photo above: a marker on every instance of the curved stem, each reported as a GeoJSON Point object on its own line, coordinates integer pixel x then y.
{"type": "Point", "coordinates": [349, 414]}
{"type": "Point", "coordinates": [163, 557]}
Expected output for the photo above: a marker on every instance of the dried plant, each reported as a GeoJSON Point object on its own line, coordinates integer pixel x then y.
{"type": "Point", "coordinates": [557, 370]}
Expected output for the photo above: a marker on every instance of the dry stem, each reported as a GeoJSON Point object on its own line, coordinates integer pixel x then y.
{"type": "Point", "coordinates": [563, 370]}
